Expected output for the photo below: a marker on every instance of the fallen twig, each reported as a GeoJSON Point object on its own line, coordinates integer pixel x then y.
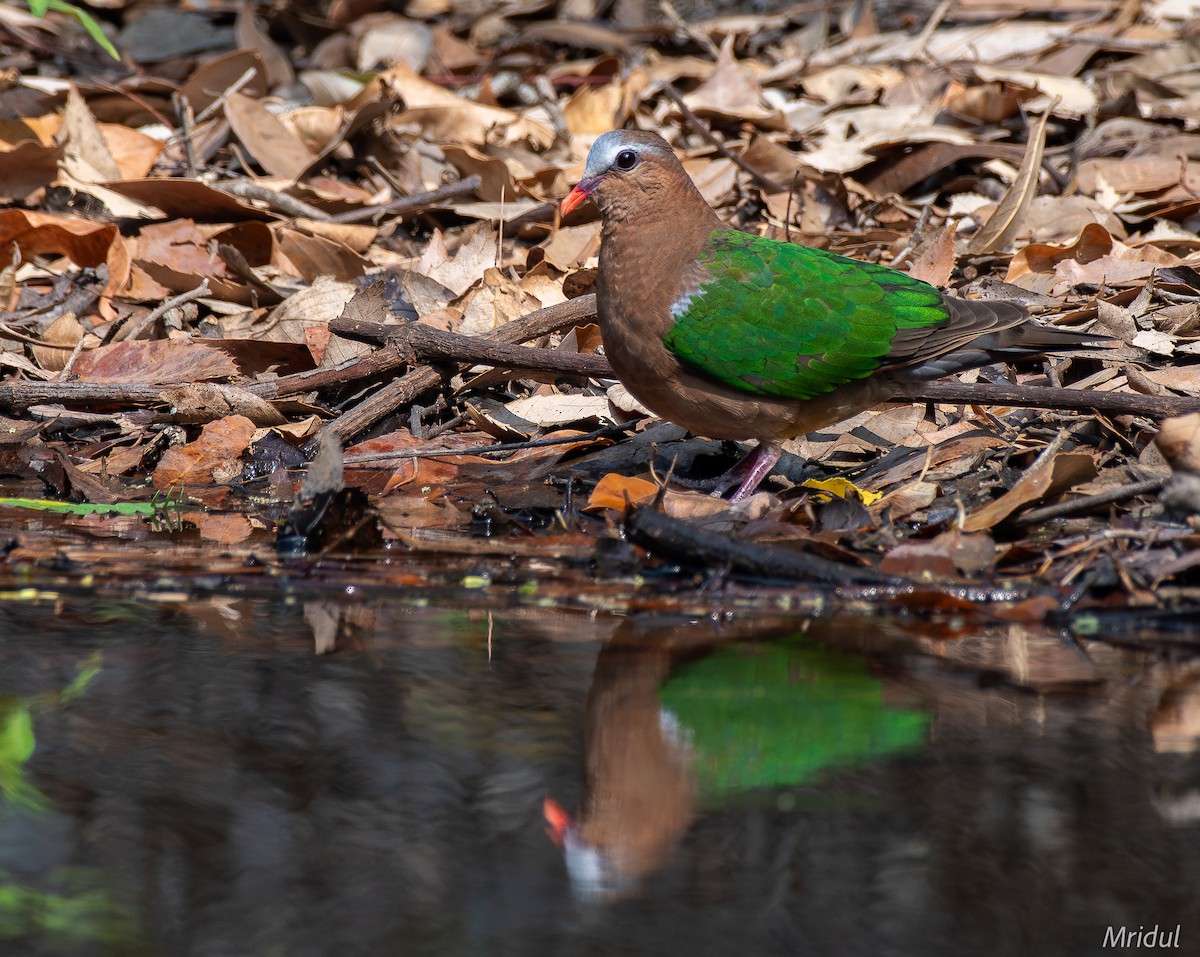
{"type": "Point", "coordinates": [682, 540]}
{"type": "Point", "coordinates": [412, 204]}
{"type": "Point", "coordinates": [403, 390]}
{"type": "Point", "coordinates": [280, 202]}
{"type": "Point", "coordinates": [135, 330]}
{"type": "Point", "coordinates": [1047, 397]}
{"type": "Point", "coordinates": [1088, 502]}
{"type": "Point", "coordinates": [432, 344]}
{"type": "Point", "coordinates": [365, 457]}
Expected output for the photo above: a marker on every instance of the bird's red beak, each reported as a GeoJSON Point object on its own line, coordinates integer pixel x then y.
{"type": "Point", "coordinates": [578, 196]}
{"type": "Point", "coordinates": [558, 819]}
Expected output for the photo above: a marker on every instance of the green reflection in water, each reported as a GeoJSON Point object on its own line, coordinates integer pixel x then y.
{"type": "Point", "coordinates": [761, 716]}
{"type": "Point", "coordinates": [80, 913]}
{"type": "Point", "coordinates": [66, 907]}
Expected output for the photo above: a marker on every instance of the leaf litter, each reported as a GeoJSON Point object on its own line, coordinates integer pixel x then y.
{"type": "Point", "coordinates": [214, 248]}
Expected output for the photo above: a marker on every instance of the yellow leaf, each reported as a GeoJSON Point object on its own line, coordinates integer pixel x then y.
{"type": "Point", "coordinates": [842, 488]}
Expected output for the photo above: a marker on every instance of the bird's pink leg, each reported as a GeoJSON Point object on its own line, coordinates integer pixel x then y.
{"type": "Point", "coordinates": [750, 471]}
{"type": "Point", "coordinates": [757, 466]}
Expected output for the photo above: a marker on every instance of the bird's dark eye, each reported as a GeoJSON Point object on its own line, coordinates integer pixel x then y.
{"type": "Point", "coordinates": [626, 160]}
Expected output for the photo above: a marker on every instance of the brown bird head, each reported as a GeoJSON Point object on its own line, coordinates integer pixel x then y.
{"type": "Point", "coordinates": [627, 169]}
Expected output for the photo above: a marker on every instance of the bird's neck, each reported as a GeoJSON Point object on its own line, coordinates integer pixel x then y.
{"type": "Point", "coordinates": [648, 258]}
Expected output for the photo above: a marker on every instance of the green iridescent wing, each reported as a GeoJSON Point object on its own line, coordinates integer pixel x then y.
{"type": "Point", "coordinates": [790, 321]}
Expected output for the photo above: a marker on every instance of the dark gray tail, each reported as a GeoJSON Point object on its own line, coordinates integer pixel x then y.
{"type": "Point", "coordinates": [1021, 340]}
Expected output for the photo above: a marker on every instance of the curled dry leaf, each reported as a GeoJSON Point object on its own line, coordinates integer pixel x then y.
{"type": "Point", "coordinates": [616, 491]}
{"type": "Point", "coordinates": [1002, 228]}
{"type": "Point", "coordinates": [85, 244]}
{"type": "Point", "coordinates": [1064, 471]}
{"type": "Point", "coordinates": [202, 402]}
{"type": "Point", "coordinates": [213, 457]}
{"type": "Point", "coordinates": [1064, 95]}
{"type": "Point", "coordinates": [1179, 441]}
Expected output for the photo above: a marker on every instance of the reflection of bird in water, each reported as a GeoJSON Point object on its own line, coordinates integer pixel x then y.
{"type": "Point", "coordinates": [639, 785]}
{"type": "Point", "coordinates": [638, 800]}
{"type": "Point", "coordinates": [672, 720]}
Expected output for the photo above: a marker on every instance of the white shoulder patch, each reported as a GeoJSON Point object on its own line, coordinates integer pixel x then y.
{"type": "Point", "coordinates": [684, 302]}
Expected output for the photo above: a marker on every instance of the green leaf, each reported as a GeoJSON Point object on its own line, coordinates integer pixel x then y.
{"type": "Point", "coordinates": [82, 508]}
{"type": "Point", "coordinates": [39, 8]}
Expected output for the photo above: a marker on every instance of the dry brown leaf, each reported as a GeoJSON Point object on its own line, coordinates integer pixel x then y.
{"type": "Point", "coordinates": [386, 39]}
{"type": "Point", "coordinates": [201, 402]}
{"type": "Point", "coordinates": [84, 243]}
{"type": "Point", "coordinates": [570, 247]}
{"type": "Point", "coordinates": [1185, 379]}
{"type": "Point", "coordinates": [213, 457]}
{"type": "Point", "coordinates": [497, 181]}
{"type": "Point", "coordinates": [316, 306]}
{"type": "Point", "coordinates": [189, 198]}
{"type": "Point", "coordinates": [1140, 175]}
{"type": "Point", "coordinates": [250, 35]}
{"type": "Point", "coordinates": [225, 528]}
{"type": "Point", "coordinates": [593, 110]}
{"type": "Point", "coordinates": [732, 93]}
{"type": "Point", "coordinates": [1092, 243]}
{"type": "Point", "coordinates": [26, 168]}
{"type": "Point", "coordinates": [1001, 230]}
{"type": "Point", "coordinates": [1065, 95]}
{"type": "Point", "coordinates": [934, 260]}
{"type": "Point", "coordinates": [478, 251]}
{"type": "Point", "coordinates": [86, 155]}
{"type": "Point", "coordinates": [920, 562]}
{"type": "Point", "coordinates": [616, 491]}
{"type": "Point", "coordinates": [278, 150]}
{"type": "Point", "coordinates": [60, 338]}
{"type": "Point", "coordinates": [495, 301]}
{"type": "Point", "coordinates": [213, 78]}
{"type": "Point", "coordinates": [558, 409]}
{"type": "Point", "coordinates": [847, 83]}
{"type": "Point", "coordinates": [354, 237]}
{"type": "Point", "coordinates": [907, 499]}
{"type": "Point", "coordinates": [310, 257]}
{"type": "Point", "coordinates": [447, 117]}
{"type": "Point", "coordinates": [987, 102]}
{"type": "Point", "coordinates": [180, 245]}
{"type": "Point", "coordinates": [155, 362]}
{"type": "Point", "coordinates": [1064, 471]}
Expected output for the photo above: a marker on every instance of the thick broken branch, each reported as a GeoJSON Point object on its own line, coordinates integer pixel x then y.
{"type": "Point", "coordinates": [434, 345]}
{"type": "Point", "coordinates": [684, 541]}
{"type": "Point", "coordinates": [1046, 397]}
{"type": "Point", "coordinates": [403, 390]}
{"type": "Point", "coordinates": [21, 395]}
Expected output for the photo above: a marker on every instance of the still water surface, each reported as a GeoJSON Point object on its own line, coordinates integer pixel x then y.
{"type": "Point", "coordinates": [268, 777]}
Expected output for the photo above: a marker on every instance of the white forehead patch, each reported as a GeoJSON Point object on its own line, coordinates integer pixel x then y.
{"type": "Point", "coordinates": [604, 152]}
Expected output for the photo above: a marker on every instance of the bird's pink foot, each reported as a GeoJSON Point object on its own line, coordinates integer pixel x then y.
{"type": "Point", "coordinates": [755, 466]}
